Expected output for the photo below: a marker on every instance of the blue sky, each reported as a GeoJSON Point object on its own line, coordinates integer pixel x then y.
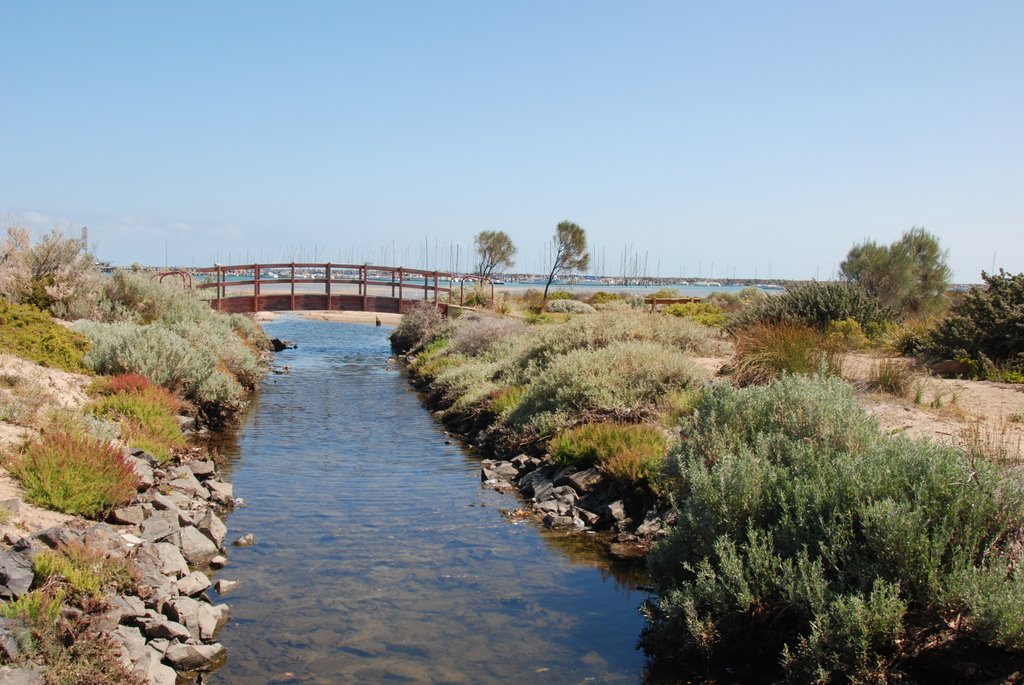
{"type": "Point", "coordinates": [744, 135]}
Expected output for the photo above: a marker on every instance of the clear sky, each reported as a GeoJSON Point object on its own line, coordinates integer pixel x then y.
{"type": "Point", "coordinates": [744, 135]}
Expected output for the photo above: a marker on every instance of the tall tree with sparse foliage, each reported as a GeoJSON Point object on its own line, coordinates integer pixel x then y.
{"type": "Point", "coordinates": [494, 250]}
{"type": "Point", "coordinates": [910, 276]}
{"type": "Point", "coordinates": [570, 251]}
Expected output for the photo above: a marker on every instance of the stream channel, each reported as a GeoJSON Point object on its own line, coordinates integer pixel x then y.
{"type": "Point", "coordinates": [379, 556]}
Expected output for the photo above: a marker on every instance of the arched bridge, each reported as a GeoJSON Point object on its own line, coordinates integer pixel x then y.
{"type": "Point", "coordinates": [326, 286]}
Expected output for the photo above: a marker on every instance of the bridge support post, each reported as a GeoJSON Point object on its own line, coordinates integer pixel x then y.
{"type": "Point", "coordinates": [401, 283]}
{"type": "Point", "coordinates": [293, 287]}
{"type": "Point", "coordinates": [365, 286]}
{"type": "Point", "coordinates": [329, 279]}
{"type": "Point", "coordinates": [255, 287]}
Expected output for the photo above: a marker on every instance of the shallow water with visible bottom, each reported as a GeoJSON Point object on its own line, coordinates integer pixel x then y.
{"type": "Point", "coordinates": [379, 556]}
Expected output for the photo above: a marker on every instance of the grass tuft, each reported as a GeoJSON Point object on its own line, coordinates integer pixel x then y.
{"type": "Point", "coordinates": [629, 452]}
{"type": "Point", "coordinates": [85, 570]}
{"type": "Point", "coordinates": [764, 352]}
{"type": "Point", "coordinates": [74, 473]}
{"type": "Point", "coordinates": [891, 376]}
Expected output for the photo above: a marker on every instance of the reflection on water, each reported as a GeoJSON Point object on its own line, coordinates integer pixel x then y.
{"type": "Point", "coordinates": [380, 558]}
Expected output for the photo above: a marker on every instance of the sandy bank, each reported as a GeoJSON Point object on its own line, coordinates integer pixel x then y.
{"type": "Point", "coordinates": [353, 317]}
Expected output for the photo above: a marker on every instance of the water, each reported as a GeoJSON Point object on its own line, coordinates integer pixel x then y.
{"type": "Point", "coordinates": [380, 558]}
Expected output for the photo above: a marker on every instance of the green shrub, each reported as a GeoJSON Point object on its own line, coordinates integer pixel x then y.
{"type": "Point", "coordinates": [566, 306]}
{"type": "Point", "coordinates": [805, 536]}
{"type": "Point", "coordinates": [147, 418]}
{"type": "Point", "coordinates": [766, 352]}
{"type": "Point", "coordinates": [190, 369]}
{"type": "Point", "coordinates": [506, 400]}
{"type": "Point", "coordinates": [629, 452]}
{"type": "Point", "coordinates": [601, 297]}
{"type": "Point", "coordinates": [38, 607]}
{"type": "Point", "coordinates": [816, 305]}
{"type": "Point", "coordinates": [625, 380]}
{"type": "Point", "coordinates": [559, 295]}
{"type": "Point", "coordinates": [30, 333]}
{"type": "Point", "coordinates": [85, 570]}
{"type": "Point", "coordinates": [704, 313]}
{"type": "Point", "coordinates": [985, 327]}
{"type": "Point", "coordinates": [474, 335]}
{"type": "Point", "coordinates": [418, 326]}
{"type": "Point", "coordinates": [847, 334]}
{"type": "Point", "coordinates": [76, 474]}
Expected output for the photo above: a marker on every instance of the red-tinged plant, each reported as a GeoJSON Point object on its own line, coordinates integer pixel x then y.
{"type": "Point", "coordinates": [73, 473]}
{"type": "Point", "coordinates": [128, 382]}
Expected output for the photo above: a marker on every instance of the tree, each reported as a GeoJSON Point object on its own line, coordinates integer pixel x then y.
{"type": "Point", "coordinates": [494, 249]}
{"type": "Point", "coordinates": [570, 251]}
{"type": "Point", "coordinates": [910, 276]}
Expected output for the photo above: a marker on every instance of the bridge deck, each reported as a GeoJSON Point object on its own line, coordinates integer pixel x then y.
{"type": "Point", "coordinates": [326, 286]}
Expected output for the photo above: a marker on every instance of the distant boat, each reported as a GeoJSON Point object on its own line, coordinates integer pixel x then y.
{"type": "Point", "coordinates": [709, 284]}
{"type": "Point", "coordinates": [769, 286]}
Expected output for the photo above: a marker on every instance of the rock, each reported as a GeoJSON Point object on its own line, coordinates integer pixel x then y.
{"type": "Point", "coordinates": [219, 561]}
{"type": "Point", "coordinates": [9, 648]}
{"type": "Point", "coordinates": [202, 469]}
{"type": "Point", "coordinates": [563, 493]}
{"type": "Point", "coordinates": [123, 608]}
{"type": "Point", "coordinates": [157, 527]}
{"type": "Point", "coordinates": [194, 583]}
{"type": "Point", "coordinates": [563, 475]}
{"type": "Point", "coordinates": [131, 541]}
{"type": "Point", "coordinates": [616, 511]}
{"type": "Point", "coordinates": [196, 547]}
{"type": "Point", "coordinates": [160, 628]}
{"type": "Point", "coordinates": [143, 470]}
{"type": "Point", "coordinates": [528, 483]}
{"type": "Point", "coordinates": [211, 619]}
{"type": "Point", "coordinates": [188, 483]}
{"type": "Point", "coordinates": [584, 481]}
{"type": "Point", "coordinates": [212, 527]}
{"type": "Point", "coordinates": [20, 675]}
{"type": "Point", "coordinates": [247, 540]}
{"type": "Point", "coordinates": [554, 507]}
{"type": "Point", "coordinates": [589, 518]}
{"type": "Point", "coordinates": [131, 516]}
{"type": "Point", "coordinates": [223, 586]}
{"type": "Point", "coordinates": [185, 611]}
{"type": "Point", "coordinates": [553, 521]}
{"type": "Point", "coordinates": [185, 423]}
{"type": "Point", "coordinates": [103, 537]}
{"type": "Point", "coordinates": [651, 524]}
{"type": "Point", "coordinates": [171, 504]}
{"type": "Point", "coordinates": [220, 491]}
{"type": "Point", "coordinates": [950, 368]}
{"type": "Point", "coordinates": [281, 345]}
{"type": "Point", "coordinates": [133, 643]}
{"type": "Point", "coordinates": [150, 667]}
{"type": "Point", "coordinates": [58, 536]}
{"type": "Point", "coordinates": [543, 491]}
{"type": "Point", "coordinates": [15, 572]}
{"type": "Point", "coordinates": [12, 505]}
{"type": "Point", "coordinates": [195, 657]}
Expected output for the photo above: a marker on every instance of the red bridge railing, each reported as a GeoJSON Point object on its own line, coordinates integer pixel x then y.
{"type": "Point", "coordinates": [326, 286]}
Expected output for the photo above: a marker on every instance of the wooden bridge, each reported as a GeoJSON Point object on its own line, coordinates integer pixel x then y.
{"type": "Point", "coordinates": [326, 286]}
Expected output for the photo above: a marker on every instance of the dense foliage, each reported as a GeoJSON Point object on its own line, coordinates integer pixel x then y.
{"type": "Point", "coordinates": [808, 539]}
{"type": "Point", "coordinates": [629, 452]}
{"type": "Point", "coordinates": [986, 327]}
{"type": "Point", "coordinates": [527, 383]}
{"type": "Point", "coordinates": [74, 473]}
{"type": "Point", "coordinates": [30, 333]}
{"type": "Point", "coordinates": [909, 277]}
{"type": "Point", "coordinates": [817, 304]}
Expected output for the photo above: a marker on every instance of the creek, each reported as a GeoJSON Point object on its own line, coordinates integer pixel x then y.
{"type": "Point", "coordinates": [379, 556]}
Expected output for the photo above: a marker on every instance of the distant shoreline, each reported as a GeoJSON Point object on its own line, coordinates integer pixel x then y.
{"type": "Point", "coordinates": [386, 319]}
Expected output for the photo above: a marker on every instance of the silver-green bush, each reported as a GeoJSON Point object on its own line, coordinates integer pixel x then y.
{"type": "Point", "coordinates": [807, 538]}
{"type": "Point", "coordinates": [568, 307]}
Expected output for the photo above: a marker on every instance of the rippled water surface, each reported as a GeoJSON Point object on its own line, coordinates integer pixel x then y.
{"type": "Point", "coordinates": [379, 557]}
